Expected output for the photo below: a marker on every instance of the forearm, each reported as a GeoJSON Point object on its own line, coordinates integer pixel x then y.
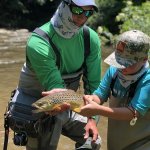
{"type": "Point", "coordinates": [122, 113]}
{"type": "Point", "coordinates": [92, 108]}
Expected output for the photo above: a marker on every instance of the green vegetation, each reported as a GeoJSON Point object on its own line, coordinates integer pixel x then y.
{"type": "Point", "coordinates": [108, 10]}
{"type": "Point", "coordinates": [114, 16]}
{"type": "Point", "coordinates": [117, 16]}
{"type": "Point", "coordinates": [135, 17]}
{"type": "Point", "coordinates": [26, 13]}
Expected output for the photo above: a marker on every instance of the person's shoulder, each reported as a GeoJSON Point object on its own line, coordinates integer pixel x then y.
{"type": "Point", "coordinates": [93, 33]}
{"type": "Point", "coordinates": [35, 38]}
{"type": "Point", "coordinates": [148, 71]}
{"type": "Point", "coordinates": [47, 27]}
{"type": "Point", "coordinates": [147, 76]}
{"type": "Point", "coordinates": [94, 38]}
{"type": "Point", "coordinates": [112, 70]}
{"type": "Point", "coordinates": [145, 80]}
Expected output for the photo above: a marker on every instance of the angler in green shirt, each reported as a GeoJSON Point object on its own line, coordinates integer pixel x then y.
{"type": "Point", "coordinates": [57, 56]}
{"type": "Point", "coordinates": [42, 58]}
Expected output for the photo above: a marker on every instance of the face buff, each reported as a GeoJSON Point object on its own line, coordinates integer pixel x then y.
{"type": "Point", "coordinates": [63, 23]}
{"type": "Point", "coordinates": [126, 80]}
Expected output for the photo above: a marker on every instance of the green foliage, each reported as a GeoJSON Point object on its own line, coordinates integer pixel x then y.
{"type": "Point", "coordinates": [108, 9]}
{"type": "Point", "coordinates": [104, 22]}
{"type": "Point", "coordinates": [135, 17]}
{"type": "Point", "coordinates": [114, 16]}
{"type": "Point", "coordinates": [26, 13]}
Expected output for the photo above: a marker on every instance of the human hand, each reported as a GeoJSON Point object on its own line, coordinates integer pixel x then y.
{"type": "Point", "coordinates": [91, 130]}
{"type": "Point", "coordinates": [60, 108]}
{"type": "Point", "coordinates": [91, 108]}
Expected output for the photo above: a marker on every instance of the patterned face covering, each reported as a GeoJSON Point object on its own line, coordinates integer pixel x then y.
{"type": "Point", "coordinates": [62, 21]}
{"type": "Point", "coordinates": [126, 80]}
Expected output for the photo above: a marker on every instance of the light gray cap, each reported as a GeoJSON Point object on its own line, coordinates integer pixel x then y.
{"type": "Point", "coordinates": [84, 3]}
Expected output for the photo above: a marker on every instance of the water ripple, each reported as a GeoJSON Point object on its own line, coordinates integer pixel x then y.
{"type": "Point", "coordinates": [6, 62]}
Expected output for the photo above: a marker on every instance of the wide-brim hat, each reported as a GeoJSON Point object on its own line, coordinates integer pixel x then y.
{"type": "Point", "coordinates": [86, 3]}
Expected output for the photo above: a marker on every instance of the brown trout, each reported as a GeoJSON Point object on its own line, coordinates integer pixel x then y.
{"type": "Point", "coordinates": [53, 101]}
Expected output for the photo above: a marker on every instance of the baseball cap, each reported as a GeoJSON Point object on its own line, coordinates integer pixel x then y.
{"type": "Point", "coordinates": [84, 3]}
{"type": "Point", "coordinates": [131, 47]}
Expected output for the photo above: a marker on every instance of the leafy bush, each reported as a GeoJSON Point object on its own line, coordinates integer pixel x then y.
{"type": "Point", "coordinates": [108, 9]}
{"type": "Point", "coordinates": [26, 13]}
{"type": "Point", "coordinates": [135, 17]}
{"type": "Point", "coordinates": [104, 21]}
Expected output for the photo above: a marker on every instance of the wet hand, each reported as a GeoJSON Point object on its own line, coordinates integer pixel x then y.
{"type": "Point", "coordinates": [91, 108]}
{"type": "Point", "coordinates": [91, 130]}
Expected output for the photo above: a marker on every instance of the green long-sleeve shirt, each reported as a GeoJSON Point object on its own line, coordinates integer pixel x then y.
{"type": "Point", "coordinates": [42, 59]}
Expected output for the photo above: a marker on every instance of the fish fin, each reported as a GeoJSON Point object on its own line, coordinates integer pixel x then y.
{"type": "Point", "coordinates": [57, 107]}
{"type": "Point", "coordinates": [77, 110]}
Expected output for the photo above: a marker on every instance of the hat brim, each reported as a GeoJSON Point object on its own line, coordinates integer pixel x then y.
{"type": "Point", "coordinates": [86, 3]}
{"type": "Point", "coordinates": [111, 60]}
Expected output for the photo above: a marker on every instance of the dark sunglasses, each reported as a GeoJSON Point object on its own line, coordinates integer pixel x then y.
{"type": "Point", "coordinates": [77, 10]}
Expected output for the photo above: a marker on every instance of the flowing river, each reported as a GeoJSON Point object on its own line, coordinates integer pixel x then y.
{"type": "Point", "coordinates": [12, 56]}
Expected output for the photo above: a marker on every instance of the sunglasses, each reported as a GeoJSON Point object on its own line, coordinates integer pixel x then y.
{"type": "Point", "coordinates": [77, 10]}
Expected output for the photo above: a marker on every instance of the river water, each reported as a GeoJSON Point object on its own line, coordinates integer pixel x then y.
{"type": "Point", "coordinates": [12, 56]}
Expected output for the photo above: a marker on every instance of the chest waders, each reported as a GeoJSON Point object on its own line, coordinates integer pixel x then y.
{"type": "Point", "coordinates": [68, 79]}
{"type": "Point", "coordinates": [132, 88]}
{"type": "Point", "coordinates": [123, 136]}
